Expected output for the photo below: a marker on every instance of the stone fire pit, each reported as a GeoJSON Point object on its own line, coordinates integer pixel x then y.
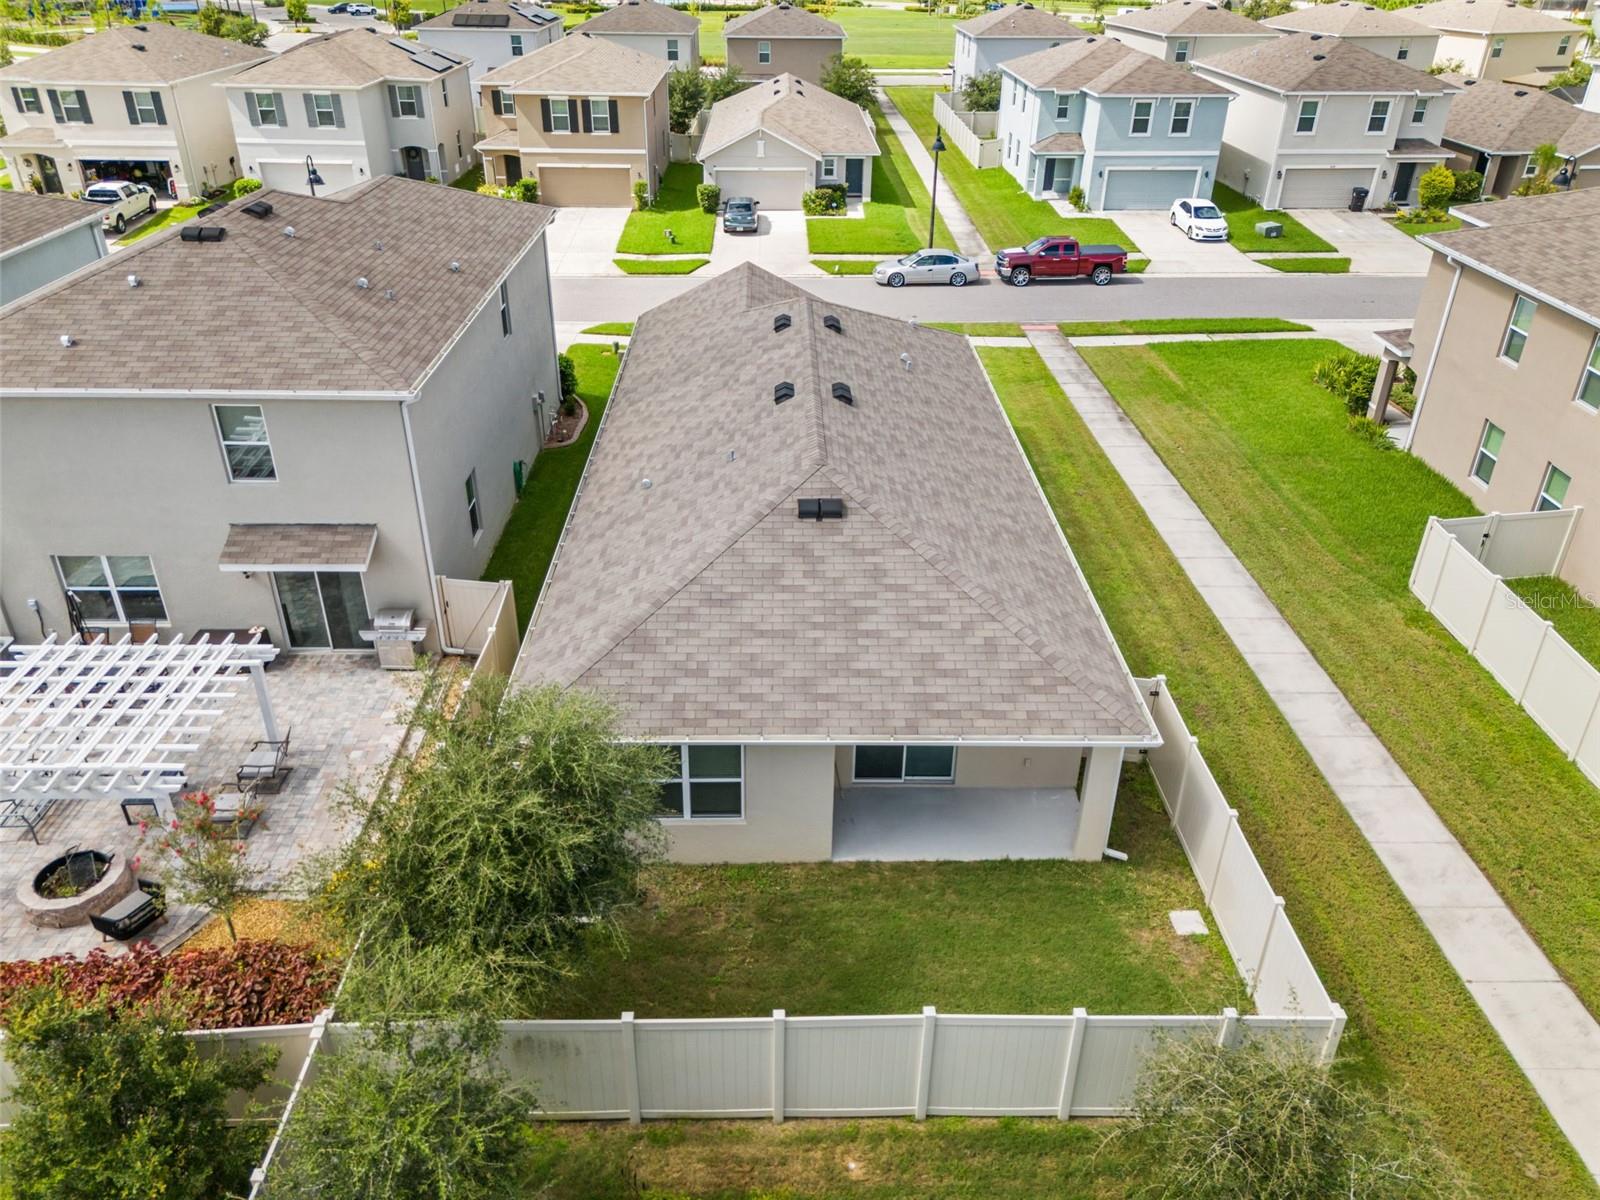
{"type": "Point", "coordinates": [116, 883]}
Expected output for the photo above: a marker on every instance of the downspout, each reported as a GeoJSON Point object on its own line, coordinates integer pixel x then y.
{"type": "Point", "coordinates": [422, 526]}
{"type": "Point", "coordinates": [1427, 375]}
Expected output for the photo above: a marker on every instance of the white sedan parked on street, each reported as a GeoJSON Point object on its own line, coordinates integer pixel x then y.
{"type": "Point", "coordinates": [1200, 219]}
{"type": "Point", "coordinates": [927, 266]}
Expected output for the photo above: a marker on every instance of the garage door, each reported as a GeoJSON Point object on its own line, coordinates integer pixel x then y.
{"type": "Point", "coordinates": [1147, 189]}
{"type": "Point", "coordinates": [291, 176]}
{"type": "Point", "coordinates": [774, 189]}
{"type": "Point", "coordinates": [1310, 187]}
{"type": "Point", "coordinates": [586, 187]}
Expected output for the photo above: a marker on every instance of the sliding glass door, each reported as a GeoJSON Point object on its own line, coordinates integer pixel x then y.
{"type": "Point", "coordinates": [322, 610]}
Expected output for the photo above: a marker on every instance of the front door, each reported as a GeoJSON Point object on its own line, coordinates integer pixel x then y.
{"type": "Point", "coordinates": [1049, 181]}
{"type": "Point", "coordinates": [416, 162]}
{"type": "Point", "coordinates": [322, 610]}
{"type": "Point", "coordinates": [48, 175]}
{"type": "Point", "coordinates": [513, 169]}
{"type": "Point", "coordinates": [853, 175]}
{"type": "Point", "coordinates": [1402, 182]}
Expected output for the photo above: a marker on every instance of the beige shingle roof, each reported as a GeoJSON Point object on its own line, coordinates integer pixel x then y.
{"type": "Point", "coordinates": [1533, 241]}
{"type": "Point", "coordinates": [311, 327]}
{"type": "Point", "coordinates": [803, 114]}
{"type": "Point", "coordinates": [278, 546]}
{"type": "Point", "coordinates": [782, 20]}
{"type": "Point", "coordinates": [350, 58]}
{"type": "Point", "coordinates": [1349, 18]}
{"type": "Point", "coordinates": [1311, 62]}
{"type": "Point", "coordinates": [1019, 21]}
{"type": "Point", "coordinates": [944, 604]}
{"type": "Point", "coordinates": [581, 65]}
{"type": "Point", "coordinates": [518, 16]}
{"type": "Point", "coordinates": [1487, 16]}
{"type": "Point", "coordinates": [642, 16]}
{"type": "Point", "coordinates": [1105, 67]}
{"type": "Point", "coordinates": [1059, 143]}
{"type": "Point", "coordinates": [1186, 16]}
{"type": "Point", "coordinates": [1502, 118]}
{"type": "Point", "coordinates": [114, 55]}
{"type": "Point", "coordinates": [26, 217]}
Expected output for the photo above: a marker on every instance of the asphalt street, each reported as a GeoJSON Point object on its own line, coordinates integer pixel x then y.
{"type": "Point", "coordinates": [593, 299]}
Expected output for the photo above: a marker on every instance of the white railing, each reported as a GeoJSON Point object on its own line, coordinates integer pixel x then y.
{"type": "Point", "coordinates": [973, 133]}
{"type": "Point", "coordinates": [1457, 576]}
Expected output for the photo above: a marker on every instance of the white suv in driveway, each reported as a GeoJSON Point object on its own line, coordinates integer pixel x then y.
{"type": "Point", "coordinates": [123, 202]}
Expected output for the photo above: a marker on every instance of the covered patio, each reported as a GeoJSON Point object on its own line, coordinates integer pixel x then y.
{"type": "Point", "coordinates": [953, 824]}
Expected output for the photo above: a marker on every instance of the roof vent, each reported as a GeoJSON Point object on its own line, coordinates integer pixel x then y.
{"type": "Point", "coordinates": [133, 281]}
{"type": "Point", "coordinates": [781, 322]}
{"type": "Point", "coordinates": [455, 267]}
{"type": "Point", "coordinates": [362, 283]}
{"type": "Point", "coordinates": [827, 508]}
{"type": "Point", "coordinates": [142, 28]}
{"type": "Point", "coordinates": [905, 361]}
{"type": "Point", "coordinates": [139, 46]}
{"type": "Point", "coordinates": [378, 246]}
{"type": "Point", "coordinates": [1520, 92]}
{"type": "Point", "coordinates": [784, 391]}
{"type": "Point", "coordinates": [209, 209]}
{"type": "Point", "coordinates": [1316, 37]}
{"type": "Point", "coordinates": [288, 231]}
{"type": "Point", "coordinates": [832, 322]}
{"type": "Point", "coordinates": [203, 233]}
{"type": "Point", "coordinates": [258, 209]}
{"type": "Point", "coordinates": [66, 339]}
{"type": "Point", "coordinates": [1318, 57]}
{"type": "Point", "coordinates": [644, 485]}
{"type": "Point", "coordinates": [842, 392]}
{"type": "Point", "coordinates": [388, 293]}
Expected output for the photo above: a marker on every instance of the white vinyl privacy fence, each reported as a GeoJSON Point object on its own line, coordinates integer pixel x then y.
{"type": "Point", "coordinates": [972, 133]}
{"type": "Point", "coordinates": [1457, 576]}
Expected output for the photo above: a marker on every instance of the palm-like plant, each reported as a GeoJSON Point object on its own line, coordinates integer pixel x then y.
{"type": "Point", "coordinates": [1545, 159]}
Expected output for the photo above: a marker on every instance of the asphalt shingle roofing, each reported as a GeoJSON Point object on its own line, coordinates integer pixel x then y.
{"type": "Point", "coordinates": [264, 311]}
{"type": "Point", "coordinates": [128, 54]}
{"type": "Point", "coordinates": [944, 604]}
{"type": "Point", "coordinates": [1186, 16]}
{"type": "Point", "coordinates": [468, 14]}
{"type": "Point", "coordinates": [780, 21]}
{"type": "Point", "coordinates": [1105, 67]}
{"type": "Point", "coordinates": [26, 217]}
{"type": "Point", "coordinates": [803, 114]}
{"type": "Point", "coordinates": [1310, 62]}
{"type": "Point", "coordinates": [581, 65]}
{"type": "Point", "coordinates": [1019, 21]}
{"type": "Point", "coordinates": [1348, 18]}
{"type": "Point", "coordinates": [1487, 16]}
{"type": "Point", "coordinates": [350, 58]}
{"type": "Point", "coordinates": [1502, 118]}
{"type": "Point", "coordinates": [642, 16]}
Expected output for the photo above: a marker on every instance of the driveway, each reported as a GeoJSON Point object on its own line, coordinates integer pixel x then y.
{"type": "Point", "coordinates": [779, 245]}
{"type": "Point", "coordinates": [583, 241]}
{"type": "Point", "coordinates": [1172, 253]}
{"type": "Point", "coordinates": [1375, 247]}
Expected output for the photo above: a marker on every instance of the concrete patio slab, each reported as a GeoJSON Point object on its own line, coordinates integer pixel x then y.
{"type": "Point", "coordinates": [922, 824]}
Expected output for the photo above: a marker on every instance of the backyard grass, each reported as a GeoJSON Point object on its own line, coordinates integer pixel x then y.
{"type": "Point", "coordinates": [676, 209]}
{"type": "Point", "coordinates": [177, 214]}
{"type": "Point", "coordinates": [1181, 325]}
{"type": "Point", "coordinates": [979, 328]}
{"type": "Point", "coordinates": [1412, 1024]}
{"type": "Point", "coordinates": [883, 37]}
{"type": "Point", "coordinates": [529, 539]}
{"type": "Point", "coordinates": [1003, 213]}
{"type": "Point", "coordinates": [1308, 266]}
{"type": "Point", "coordinates": [1417, 228]}
{"type": "Point", "coordinates": [469, 181]}
{"type": "Point", "coordinates": [1242, 214]}
{"type": "Point", "coordinates": [845, 266]}
{"type": "Point", "coordinates": [1330, 527]}
{"type": "Point", "coordinates": [896, 218]}
{"type": "Point", "coordinates": [612, 328]}
{"type": "Point", "coordinates": [1557, 601]}
{"type": "Point", "coordinates": [660, 266]}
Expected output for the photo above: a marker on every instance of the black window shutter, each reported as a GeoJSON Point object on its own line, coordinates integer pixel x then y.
{"type": "Point", "coordinates": [544, 112]}
{"type": "Point", "coordinates": [83, 104]}
{"type": "Point", "coordinates": [55, 104]}
{"type": "Point", "coordinates": [584, 106]}
{"type": "Point", "coordinates": [161, 110]}
{"type": "Point", "coordinates": [612, 105]}
{"type": "Point", "coordinates": [16, 98]}
{"type": "Point", "coordinates": [133, 109]}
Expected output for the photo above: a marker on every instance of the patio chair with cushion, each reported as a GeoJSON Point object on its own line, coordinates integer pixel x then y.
{"type": "Point", "coordinates": [235, 804]}
{"type": "Point", "coordinates": [266, 766]}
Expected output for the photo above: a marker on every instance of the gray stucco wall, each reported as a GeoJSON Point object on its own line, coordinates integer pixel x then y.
{"type": "Point", "coordinates": [788, 812]}
{"type": "Point", "coordinates": [44, 262]}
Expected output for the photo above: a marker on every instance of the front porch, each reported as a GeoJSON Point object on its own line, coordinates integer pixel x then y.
{"type": "Point", "coordinates": [953, 824]}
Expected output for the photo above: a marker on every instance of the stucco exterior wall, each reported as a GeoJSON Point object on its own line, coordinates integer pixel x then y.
{"type": "Point", "coordinates": [1523, 52]}
{"type": "Point", "coordinates": [656, 44]}
{"type": "Point", "coordinates": [1165, 46]}
{"type": "Point", "coordinates": [486, 48]}
{"type": "Point", "coordinates": [802, 57]}
{"type": "Point", "coordinates": [1420, 50]}
{"type": "Point", "coordinates": [978, 56]}
{"type": "Point", "coordinates": [33, 266]}
{"type": "Point", "coordinates": [641, 144]}
{"type": "Point", "coordinates": [788, 812]}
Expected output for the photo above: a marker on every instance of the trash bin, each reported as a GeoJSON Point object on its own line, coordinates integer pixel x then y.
{"type": "Point", "coordinates": [1358, 198]}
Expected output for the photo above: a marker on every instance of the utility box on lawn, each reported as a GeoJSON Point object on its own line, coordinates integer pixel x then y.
{"type": "Point", "coordinates": [1269, 229]}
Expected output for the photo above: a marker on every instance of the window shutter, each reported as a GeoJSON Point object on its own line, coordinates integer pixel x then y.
{"type": "Point", "coordinates": [279, 110]}
{"type": "Point", "coordinates": [133, 109]}
{"type": "Point", "coordinates": [55, 104]}
{"type": "Point", "coordinates": [161, 109]}
{"type": "Point", "coordinates": [16, 98]}
{"type": "Point", "coordinates": [612, 105]}
{"type": "Point", "coordinates": [250, 106]}
{"type": "Point", "coordinates": [311, 110]}
{"type": "Point", "coordinates": [583, 106]}
{"type": "Point", "coordinates": [338, 112]}
{"type": "Point", "coordinates": [83, 106]}
{"type": "Point", "coordinates": [444, 89]}
{"type": "Point", "coordinates": [544, 112]}
{"type": "Point", "coordinates": [422, 110]}
{"type": "Point", "coordinates": [394, 101]}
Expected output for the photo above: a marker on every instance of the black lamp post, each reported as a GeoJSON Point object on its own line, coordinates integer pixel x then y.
{"type": "Point", "coordinates": [933, 203]}
{"type": "Point", "coordinates": [1568, 173]}
{"type": "Point", "coordinates": [312, 178]}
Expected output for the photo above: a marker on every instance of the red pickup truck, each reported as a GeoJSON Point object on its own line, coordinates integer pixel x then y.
{"type": "Point", "coordinates": [1050, 257]}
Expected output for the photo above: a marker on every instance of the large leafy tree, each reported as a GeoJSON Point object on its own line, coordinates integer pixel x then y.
{"type": "Point", "coordinates": [850, 78]}
{"type": "Point", "coordinates": [686, 96]}
{"type": "Point", "coordinates": [981, 93]}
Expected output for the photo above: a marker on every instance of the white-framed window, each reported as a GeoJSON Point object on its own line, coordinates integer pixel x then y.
{"type": "Point", "coordinates": [1517, 329]}
{"type": "Point", "coordinates": [1530, 168]}
{"type": "Point", "coordinates": [112, 589]}
{"type": "Point", "coordinates": [1305, 120]}
{"type": "Point", "coordinates": [1563, 46]}
{"type": "Point", "coordinates": [1180, 51]}
{"type": "Point", "coordinates": [266, 105]}
{"type": "Point", "coordinates": [407, 100]}
{"type": "Point", "coordinates": [1497, 47]}
{"type": "Point", "coordinates": [1589, 385]}
{"type": "Point", "coordinates": [599, 115]}
{"type": "Point", "coordinates": [1489, 443]}
{"type": "Point", "coordinates": [246, 449]}
{"type": "Point", "coordinates": [903, 764]}
{"type": "Point", "coordinates": [1182, 118]}
{"type": "Point", "coordinates": [560, 117]}
{"type": "Point", "coordinates": [27, 100]}
{"type": "Point", "coordinates": [505, 309]}
{"type": "Point", "coordinates": [1404, 50]}
{"type": "Point", "coordinates": [672, 49]}
{"type": "Point", "coordinates": [763, 53]}
{"type": "Point", "coordinates": [1419, 110]}
{"type": "Point", "coordinates": [145, 111]}
{"type": "Point", "coordinates": [705, 783]}
{"type": "Point", "coordinates": [1553, 491]}
{"type": "Point", "coordinates": [1378, 116]}
{"type": "Point", "coordinates": [1063, 105]}
{"type": "Point", "coordinates": [830, 168]}
{"type": "Point", "coordinates": [474, 513]}
{"type": "Point", "coordinates": [322, 109]}
{"type": "Point", "coordinates": [516, 45]}
{"type": "Point", "coordinates": [503, 105]}
{"type": "Point", "coordinates": [75, 108]}
{"type": "Point", "coordinates": [1143, 112]}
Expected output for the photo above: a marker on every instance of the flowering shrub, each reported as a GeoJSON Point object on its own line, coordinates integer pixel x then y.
{"type": "Point", "coordinates": [203, 861]}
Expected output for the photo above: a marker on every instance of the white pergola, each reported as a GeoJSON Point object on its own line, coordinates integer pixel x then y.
{"type": "Point", "coordinates": [114, 719]}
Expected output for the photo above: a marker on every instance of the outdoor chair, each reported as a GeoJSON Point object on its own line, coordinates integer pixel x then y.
{"type": "Point", "coordinates": [266, 766]}
{"type": "Point", "coordinates": [235, 804]}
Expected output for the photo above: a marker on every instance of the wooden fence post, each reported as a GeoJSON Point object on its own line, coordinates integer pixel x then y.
{"type": "Point", "coordinates": [1216, 872]}
{"type": "Point", "coordinates": [930, 1019]}
{"type": "Point", "coordinates": [1076, 1032]}
{"type": "Point", "coordinates": [630, 1069]}
{"type": "Point", "coordinates": [779, 1050]}
{"type": "Point", "coordinates": [1266, 943]}
{"type": "Point", "coordinates": [1229, 1033]}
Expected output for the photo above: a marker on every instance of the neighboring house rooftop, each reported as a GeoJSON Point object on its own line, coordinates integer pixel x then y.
{"type": "Point", "coordinates": [1348, 18]}
{"type": "Point", "coordinates": [944, 605]}
{"type": "Point", "coordinates": [1502, 118]}
{"type": "Point", "coordinates": [26, 217]}
{"type": "Point", "coordinates": [1105, 67]}
{"type": "Point", "coordinates": [805, 115]}
{"type": "Point", "coordinates": [490, 15]}
{"type": "Point", "coordinates": [1019, 21]}
{"type": "Point", "coordinates": [1487, 16]}
{"type": "Point", "coordinates": [642, 16]}
{"type": "Point", "coordinates": [782, 20]}
{"type": "Point", "coordinates": [581, 65]}
{"type": "Point", "coordinates": [134, 54]}
{"type": "Point", "coordinates": [1530, 243]}
{"type": "Point", "coordinates": [1302, 63]}
{"type": "Point", "coordinates": [351, 58]}
{"type": "Point", "coordinates": [374, 285]}
{"type": "Point", "coordinates": [1187, 17]}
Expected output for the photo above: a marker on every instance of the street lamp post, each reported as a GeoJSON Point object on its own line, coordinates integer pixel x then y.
{"type": "Point", "coordinates": [933, 203]}
{"type": "Point", "coordinates": [312, 178]}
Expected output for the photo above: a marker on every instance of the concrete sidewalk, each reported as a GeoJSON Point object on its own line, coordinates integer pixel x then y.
{"type": "Point", "coordinates": [955, 217]}
{"type": "Point", "coordinates": [1543, 1024]}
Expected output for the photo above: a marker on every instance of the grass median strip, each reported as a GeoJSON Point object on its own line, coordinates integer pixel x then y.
{"type": "Point", "coordinates": [1307, 266]}
{"type": "Point", "coordinates": [675, 210]}
{"type": "Point", "coordinates": [845, 266]}
{"type": "Point", "coordinates": [660, 266]}
{"type": "Point", "coordinates": [978, 328]}
{"type": "Point", "coordinates": [612, 329]}
{"type": "Point", "coordinates": [1181, 325]}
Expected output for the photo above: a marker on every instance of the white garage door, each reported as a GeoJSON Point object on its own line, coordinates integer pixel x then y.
{"type": "Point", "coordinates": [774, 189]}
{"type": "Point", "coordinates": [291, 176]}
{"type": "Point", "coordinates": [1313, 187]}
{"type": "Point", "coordinates": [1126, 188]}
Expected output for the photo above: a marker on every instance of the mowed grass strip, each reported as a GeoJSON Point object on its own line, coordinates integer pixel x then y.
{"type": "Point", "coordinates": [660, 266]}
{"type": "Point", "coordinates": [1413, 1025]}
{"type": "Point", "coordinates": [1181, 325]}
{"type": "Point", "coordinates": [979, 328]}
{"type": "Point", "coordinates": [1242, 213]}
{"type": "Point", "coordinates": [528, 542]}
{"type": "Point", "coordinates": [676, 209]}
{"type": "Point", "coordinates": [845, 266]}
{"type": "Point", "coordinates": [1308, 266]}
{"type": "Point", "coordinates": [895, 220]}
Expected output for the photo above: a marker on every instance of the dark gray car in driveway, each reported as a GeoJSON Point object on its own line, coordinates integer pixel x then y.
{"type": "Point", "coordinates": [739, 215]}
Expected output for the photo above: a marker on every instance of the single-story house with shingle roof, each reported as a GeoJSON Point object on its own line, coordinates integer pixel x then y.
{"type": "Point", "coordinates": [779, 139]}
{"type": "Point", "coordinates": [820, 569]}
{"type": "Point", "coordinates": [43, 238]}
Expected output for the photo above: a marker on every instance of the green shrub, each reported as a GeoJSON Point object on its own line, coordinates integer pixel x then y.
{"type": "Point", "coordinates": [1078, 199]}
{"type": "Point", "coordinates": [569, 378]}
{"type": "Point", "coordinates": [490, 189]}
{"type": "Point", "coordinates": [1423, 216]}
{"type": "Point", "coordinates": [524, 189]}
{"type": "Point", "coordinates": [981, 93]}
{"type": "Point", "coordinates": [1469, 186]}
{"type": "Point", "coordinates": [248, 184]}
{"type": "Point", "coordinates": [641, 195]}
{"type": "Point", "coordinates": [709, 195]}
{"type": "Point", "coordinates": [820, 201]}
{"type": "Point", "coordinates": [849, 78]}
{"type": "Point", "coordinates": [1375, 433]}
{"type": "Point", "coordinates": [1436, 187]}
{"type": "Point", "coordinates": [1349, 376]}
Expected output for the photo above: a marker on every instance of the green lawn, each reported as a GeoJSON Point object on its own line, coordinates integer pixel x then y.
{"type": "Point", "coordinates": [676, 209]}
{"type": "Point", "coordinates": [660, 266]}
{"type": "Point", "coordinates": [529, 539]}
{"type": "Point", "coordinates": [1308, 266]}
{"type": "Point", "coordinates": [1329, 528]}
{"type": "Point", "coordinates": [1181, 325]}
{"type": "Point", "coordinates": [1242, 214]}
{"type": "Point", "coordinates": [1417, 228]}
{"type": "Point", "coordinates": [979, 328]}
{"type": "Point", "coordinates": [895, 220]}
{"type": "Point", "coordinates": [1576, 619]}
{"type": "Point", "coordinates": [469, 181]}
{"type": "Point", "coordinates": [845, 266]}
{"type": "Point", "coordinates": [883, 37]}
{"type": "Point", "coordinates": [614, 328]}
{"type": "Point", "coordinates": [1004, 214]}
{"type": "Point", "coordinates": [1412, 1024]}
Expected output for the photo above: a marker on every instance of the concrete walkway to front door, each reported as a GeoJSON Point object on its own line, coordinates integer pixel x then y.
{"type": "Point", "coordinates": [1542, 1023]}
{"type": "Point", "coordinates": [955, 217]}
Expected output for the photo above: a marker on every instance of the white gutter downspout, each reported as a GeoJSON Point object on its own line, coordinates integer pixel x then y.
{"type": "Point", "coordinates": [422, 525]}
{"type": "Point", "coordinates": [1427, 375]}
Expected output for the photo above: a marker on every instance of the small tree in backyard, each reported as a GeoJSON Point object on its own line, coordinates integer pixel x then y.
{"type": "Point", "coordinates": [399, 14]}
{"type": "Point", "coordinates": [203, 862]}
{"type": "Point", "coordinates": [686, 96]}
{"type": "Point", "coordinates": [1260, 10]}
{"type": "Point", "coordinates": [1448, 66]}
{"type": "Point", "coordinates": [120, 1107]}
{"type": "Point", "coordinates": [729, 81]}
{"type": "Point", "coordinates": [981, 93]}
{"type": "Point", "coordinates": [1436, 187]}
{"type": "Point", "coordinates": [849, 78]}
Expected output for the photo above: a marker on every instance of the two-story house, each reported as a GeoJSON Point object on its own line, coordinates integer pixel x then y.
{"type": "Point", "coordinates": [1316, 117]}
{"type": "Point", "coordinates": [1506, 347]}
{"type": "Point", "coordinates": [366, 433]}
{"type": "Point", "coordinates": [43, 238]}
{"type": "Point", "coordinates": [353, 105]}
{"type": "Point", "coordinates": [1132, 130]}
{"type": "Point", "coordinates": [650, 28]}
{"type": "Point", "coordinates": [132, 102]}
{"type": "Point", "coordinates": [782, 39]}
{"type": "Point", "coordinates": [1494, 128]}
{"type": "Point", "coordinates": [585, 116]}
{"type": "Point", "coordinates": [489, 33]}
{"type": "Point", "coordinates": [1001, 34]}
{"type": "Point", "coordinates": [1185, 31]}
{"type": "Point", "coordinates": [1499, 39]}
{"type": "Point", "coordinates": [1385, 32]}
